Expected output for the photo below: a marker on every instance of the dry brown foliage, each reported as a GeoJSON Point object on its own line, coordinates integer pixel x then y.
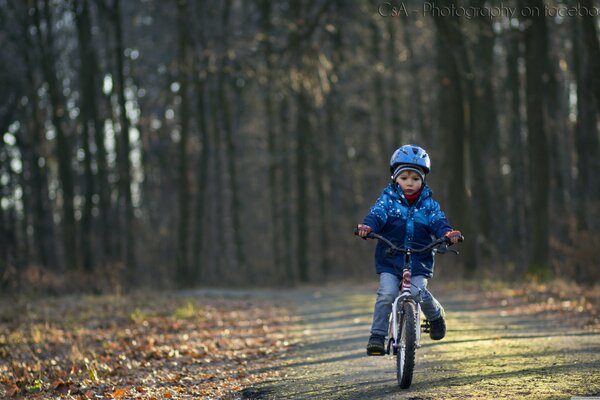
{"type": "Point", "coordinates": [137, 347]}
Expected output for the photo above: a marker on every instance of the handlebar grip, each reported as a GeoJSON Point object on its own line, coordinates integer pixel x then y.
{"type": "Point", "coordinates": [369, 235]}
{"type": "Point", "coordinates": [460, 239]}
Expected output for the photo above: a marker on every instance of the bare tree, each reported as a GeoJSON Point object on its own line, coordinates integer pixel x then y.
{"type": "Point", "coordinates": [63, 145]}
{"type": "Point", "coordinates": [536, 54]}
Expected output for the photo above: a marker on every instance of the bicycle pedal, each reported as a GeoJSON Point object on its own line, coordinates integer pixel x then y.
{"type": "Point", "coordinates": [425, 326]}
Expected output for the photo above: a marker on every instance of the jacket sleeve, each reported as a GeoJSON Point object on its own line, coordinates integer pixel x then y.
{"type": "Point", "coordinates": [438, 223]}
{"type": "Point", "coordinates": [378, 215]}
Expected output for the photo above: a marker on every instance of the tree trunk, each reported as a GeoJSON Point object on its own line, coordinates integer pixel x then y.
{"type": "Point", "coordinates": [418, 125]}
{"type": "Point", "coordinates": [586, 133]}
{"type": "Point", "coordinates": [87, 117]}
{"type": "Point", "coordinates": [90, 86]}
{"type": "Point", "coordinates": [302, 145]}
{"type": "Point", "coordinates": [556, 117]}
{"type": "Point", "coordinates": [124, 149]}
{"type": "Point", "coordinates": [42, 223]}
{"type": "Point", "coordinates": [286, 148]}
{"type": "Point", "coordinates": [535, 59]}
{"type": "Point", "coordinates": [456, 115]}
{"type": "Point", "coordinates": [516, 151]}
{"type": "Point", "coordinates": [337, 190]}
{"type": "Point", "coordinates": [590, 37]}
{"type": "Point", "coordinates": [321, 176]}
{"type": "Point", "coordinates": [183, 66]}
{"type": "Point", "coordinates": [63, 147]}
{"type": "Point", "coordinates": [202, 166]}
{"type": "Point", "coordinates": [397, 123]}
{"type": "Point", "coordinates": [274, 156]}
{"type": "Point", "coordinates": [378, 102]}
{"type": "Point", "coordinates": [485, 149]}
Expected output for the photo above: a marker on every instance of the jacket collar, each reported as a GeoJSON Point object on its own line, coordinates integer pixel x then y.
{"type": "Point", "coordinates": [394, 191]}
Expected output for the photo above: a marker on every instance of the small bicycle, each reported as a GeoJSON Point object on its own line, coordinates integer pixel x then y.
{"type": "Point", "coordinates": [404, 337]}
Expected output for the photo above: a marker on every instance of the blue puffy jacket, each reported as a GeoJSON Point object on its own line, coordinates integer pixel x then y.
{"type": "Point", "coordinates": [404, 225]}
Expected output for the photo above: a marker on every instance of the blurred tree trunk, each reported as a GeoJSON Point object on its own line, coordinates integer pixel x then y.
{"type": "Point", "coordinates": [4, 230]}
{"type": "Point", "coordinates": [224, 105]}
{"type": "Point", "coordinates": [63, 147]}
{"type": "Point", "coordinates": [218, 215]}
{"type": "Point", "coordinates": [183, 68]}
{"type": "Point", "coordinates": [339, 191]}
{"type": "Point", "coordinates": [302, 135]}
{"type": "Point", "coordinates": [556, 116]}
{"type": "Point", "coordinates": [378, 102]}
{"type": "Point", "coordinates": [41, 218]}
{"type": "Point", "coordinates": [485, 148]}
{"type": "Point", "coordinates": [127, 243]}
{"type": "Point", "coordinates": [8, 251]}
{"type": "Point", "coordinates": [397, 122]}
{"type": "Point", "coordinates": [418, 123]}
{"type": "Point", "coordinates": [10, 269]}
{"type": "Point", "coordinates": [200, 73]}
{"type": "Point", "coordinates": [90, 90]}
{"type": "Point", "coordinates": [589, 137]}
{"type": "Point", "coordinates": [302, 146]}
{"type": "Point", "coordinates": [286, 149]}
{"type": "Point", "coordinates": [536, 54]}
{"type": "Point", "coordinates": [274, 156]}
{"type": "Point", "coordinates": [88, 116]}
{"type": "Point", "coordinates": [43, 229]}
{"type": "Point", "coordinates": [590, 38]}
{"type": "Point", "coordinates": [586, 133]}
{"type": "Point", "coordinates": [321, 176]}
{"type": "Point", "coordinates": [456, 116]}
{"type": "Point", "coordinates": [516, 150]}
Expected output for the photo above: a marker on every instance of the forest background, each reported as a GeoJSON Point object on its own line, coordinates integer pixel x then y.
{"type": "Point", "coordinates": [178, 143]}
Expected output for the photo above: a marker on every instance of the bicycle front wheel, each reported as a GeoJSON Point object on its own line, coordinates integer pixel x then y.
{"type": "Point", "coordinates": [407, 344]}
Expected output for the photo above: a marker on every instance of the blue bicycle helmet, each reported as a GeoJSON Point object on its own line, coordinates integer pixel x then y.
{"type": "Point", "coordinates": [410, 154]}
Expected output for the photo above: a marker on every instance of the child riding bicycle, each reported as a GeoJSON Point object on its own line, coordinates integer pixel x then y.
{"type": "Point", "coordinates": [406, 214]}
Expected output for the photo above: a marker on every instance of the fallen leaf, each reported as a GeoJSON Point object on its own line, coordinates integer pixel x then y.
{"type": "Point", "coordinates": [118, 393]}
{"type": "Point", "coordinates": [12, 390]}
{"type": "Point", "coordinates": [59, 384]}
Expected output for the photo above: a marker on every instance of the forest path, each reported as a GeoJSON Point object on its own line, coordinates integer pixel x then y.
{"type": "Point", "coordinates": [493, 350]}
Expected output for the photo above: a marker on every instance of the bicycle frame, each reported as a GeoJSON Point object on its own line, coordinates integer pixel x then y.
{"type": "Point", "coordinates": [405, 288]}
{"type": "Point", "coordinates": [405, 333]}
{"type": "Point", "coordinates": [404, 296]}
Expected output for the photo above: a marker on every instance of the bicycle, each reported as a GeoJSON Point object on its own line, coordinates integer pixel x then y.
{"type": "Point", "coordinates": [404, 337]}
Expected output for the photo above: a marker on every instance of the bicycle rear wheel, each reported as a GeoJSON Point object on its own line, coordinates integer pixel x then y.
{"type": "Point", "coordinates": [407, 343]}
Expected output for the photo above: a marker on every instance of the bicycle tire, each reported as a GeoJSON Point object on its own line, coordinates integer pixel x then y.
{"type": "Point", "coordinates": [407, 345]}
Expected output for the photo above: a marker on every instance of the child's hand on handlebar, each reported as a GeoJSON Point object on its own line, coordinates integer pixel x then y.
{"type": "Point", "coordinates": [364, 230]}
{"type": "Point", "coordinates": [453, 236]}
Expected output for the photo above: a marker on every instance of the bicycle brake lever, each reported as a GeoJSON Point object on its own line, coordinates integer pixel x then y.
{"type": "Point", "coordinates": [443, 248]}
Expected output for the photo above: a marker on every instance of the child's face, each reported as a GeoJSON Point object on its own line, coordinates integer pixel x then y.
{"type": "Point", "coordinates": [410, 182]}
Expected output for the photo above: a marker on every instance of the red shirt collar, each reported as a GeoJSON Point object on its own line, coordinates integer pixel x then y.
{"type": "Point", "coordinates": [411, 198]}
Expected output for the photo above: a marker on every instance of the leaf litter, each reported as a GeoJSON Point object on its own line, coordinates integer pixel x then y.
{"type": "Point", "coordinates": [143, 346]}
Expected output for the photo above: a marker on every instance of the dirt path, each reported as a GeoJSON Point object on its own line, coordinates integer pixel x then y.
{"type": "Point", "coordinates": [490, 352]}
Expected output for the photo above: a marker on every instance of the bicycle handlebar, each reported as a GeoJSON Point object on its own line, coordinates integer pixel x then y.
{"type": "Point", "coordinates": [394, 248]}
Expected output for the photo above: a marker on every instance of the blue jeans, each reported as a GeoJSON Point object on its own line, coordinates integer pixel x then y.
{"type": "Point", "coordinates": [389, 288]}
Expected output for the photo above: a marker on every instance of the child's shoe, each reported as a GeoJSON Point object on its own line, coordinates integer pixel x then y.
{"type": "Point", "coordinates": [376, 346]}
{"type": "Point", "coordinates": [437, 328]}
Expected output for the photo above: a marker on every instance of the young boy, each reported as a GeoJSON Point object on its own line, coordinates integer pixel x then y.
{"type": "Point", "coordinates": [406, 214]}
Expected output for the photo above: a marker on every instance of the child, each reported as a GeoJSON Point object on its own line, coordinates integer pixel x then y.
{"type": "Point", "coordinates": [406, 214]}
